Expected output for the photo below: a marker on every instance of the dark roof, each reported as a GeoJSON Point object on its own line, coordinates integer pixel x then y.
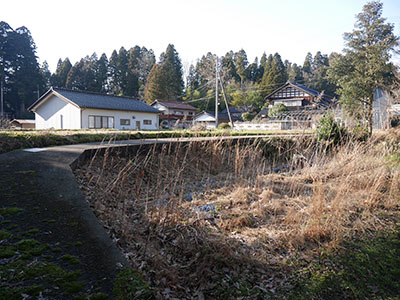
{"type": "Point", "coordinates": [99, 101]}
{"type": "Point", "coordinates": [301, 87]}
{"type": "Point", "coordinates": [175, 104]}
{"type": "Point", "coordinates": [236, 110]}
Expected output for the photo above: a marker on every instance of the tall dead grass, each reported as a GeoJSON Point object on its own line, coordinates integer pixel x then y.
{"type": "Point", "coordinates": [196, 211]}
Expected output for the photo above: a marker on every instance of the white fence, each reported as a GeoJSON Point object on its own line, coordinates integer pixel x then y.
{"type": "Point", "coordinates": [274, 125]}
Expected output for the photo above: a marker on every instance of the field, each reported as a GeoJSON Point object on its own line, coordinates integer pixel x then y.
{"type": "Point", "coordinates": [280, 218]}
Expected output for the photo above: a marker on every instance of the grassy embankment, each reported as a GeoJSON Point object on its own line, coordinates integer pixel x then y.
{"type": "Point", "coordinates": [282, 218]}
{"type": "Point", "coordinates": [18, 139]}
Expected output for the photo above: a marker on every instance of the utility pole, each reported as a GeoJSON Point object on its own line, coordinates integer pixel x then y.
{"type": "Point", "coordinates": [226, 103]}
{"type": "Point", "coordinates": [2, 90]}
{"type": "Point", "coordinates": [216, 91]}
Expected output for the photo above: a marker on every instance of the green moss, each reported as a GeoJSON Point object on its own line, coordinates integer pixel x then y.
{"type": "Point", "coordinates": [28, 172]}
{"type": "Point", "coordinates": [99, 296]}
{"type": "Point", "coordinates": [4, 234]}
{"type": "Point", "coordinates": [78, 244]}
{"type": "Point", "coordinates": [34, 290]}
{"type": "Point", "coordinates": [130, 285]}
{"type": "Point", "coordinates": [27, 244]}
{"type": "Point", "coordinates": [8, 211]}
{"type": "Point", "coordinates": [7, 251]}
{"type": "Point", "coordinates": [71, 259]}
{"type": "Point", "coordinates": [56, 250]}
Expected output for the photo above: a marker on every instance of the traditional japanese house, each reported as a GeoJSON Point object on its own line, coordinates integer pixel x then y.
{"type": "Point", "coordinates": [296, 96]}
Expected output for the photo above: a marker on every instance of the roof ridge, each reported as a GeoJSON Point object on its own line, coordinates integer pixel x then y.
{"type": "Point", "coordinates": [93, 93]}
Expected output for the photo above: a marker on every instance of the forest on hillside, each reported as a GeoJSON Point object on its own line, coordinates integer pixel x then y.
{"type": "Point", "coordinates": [137, 73]}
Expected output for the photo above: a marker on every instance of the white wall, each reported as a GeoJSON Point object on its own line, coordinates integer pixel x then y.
{"type": "Point", "coordinates": [173, 111]}
{"type": "Point", "coordinates": [118, 115]}
{"type": "Point", "coordinates": [258, 126]}
{"type": "Point", "coordinates": [58, 114]}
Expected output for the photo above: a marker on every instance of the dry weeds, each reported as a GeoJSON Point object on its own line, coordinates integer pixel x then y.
{"type": "Point", "coordinates": [212, 218]}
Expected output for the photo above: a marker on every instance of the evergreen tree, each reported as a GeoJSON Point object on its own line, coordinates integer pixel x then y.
{"type": "Point", "coordinates": [132, 88]}
{"type": "Point", "coordinates": [274, 74]}
{"type": "Point", "coordinates": [122, 71]}
{"type": "Point", "coordinates": [54, 79]}
{"type": "Point", "coordinates": [319, 80]}
{"type": "Point", "coordinates": [295, 74]}
{"type": "Point", "coordinates": [252, 71]}
{"type": "Point", "coordinates": [165, 79]}
{"type": "Point", "coordinates": [102, 74]}
{"type": "Point", "coordinates": [59, 79]}
{"type": "Point", "coordinates": [76, 79]}
{"type": "Point", "coordinates": [241, 63]}
{"type": "Point", "coordinates": [228, 68]}
{"type": "Point", "coordinates": [27, 75]}
{"type": "Point", "coordinates": [113, 85]}
{"type": "Point", "coordinates": [45, 77]}
{"type": "Point", "coordinates": [307, 71]}
{"type": "Point", "coordinates": [366, 63]}
{"type": "Point", "coordinates": [19, 69]}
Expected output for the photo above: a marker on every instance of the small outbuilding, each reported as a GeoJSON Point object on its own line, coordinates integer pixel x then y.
{"type": "Point", "coordinates": [22, 124]}
{"type": "Point", "coordinates": [70, 109]}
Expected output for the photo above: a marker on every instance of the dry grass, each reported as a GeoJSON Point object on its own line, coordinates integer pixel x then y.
{"type": "Point", "coordinates": [212, 218]}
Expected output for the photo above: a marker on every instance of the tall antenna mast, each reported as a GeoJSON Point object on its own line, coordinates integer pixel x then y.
{"type": "Point", "coordinates": [216, 91]}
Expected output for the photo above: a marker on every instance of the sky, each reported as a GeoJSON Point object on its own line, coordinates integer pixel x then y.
{"type": "Point", "coordinates": [76, 28]}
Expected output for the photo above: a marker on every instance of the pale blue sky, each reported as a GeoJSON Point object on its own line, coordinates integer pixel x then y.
{"type": "Point", "coordinates": [76, 28]}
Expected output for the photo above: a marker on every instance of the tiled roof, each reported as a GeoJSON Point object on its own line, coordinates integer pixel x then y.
{"type": "Point", "coordinates": [175, 104]}
{"type": "Point", "coordinates": [99, 101]}
{"type": "Point", "coordinates": [301, 87]}
{"type": "Point", "coordinates": [236, 110]}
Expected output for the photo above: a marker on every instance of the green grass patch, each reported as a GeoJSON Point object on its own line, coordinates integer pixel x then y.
{"type": "Point", "coordinates": [365, 269]}
{"type": "Point", "coordinates": [130, 285]}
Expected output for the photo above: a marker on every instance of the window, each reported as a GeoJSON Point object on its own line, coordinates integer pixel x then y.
{"type": "Point", "coordinates": [190, 113]}
{"type": "Point", "coordinates": [101, 122]}
{"type": "Point", "coordinates": [125, 122]}
{"type": "Point", "coordinates": [146, 122]}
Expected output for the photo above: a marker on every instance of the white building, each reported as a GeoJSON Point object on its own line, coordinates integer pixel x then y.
{"type": "Point", "coordinates": [175, 113]}
{"type": "Point", "coordinates": [66, 109]}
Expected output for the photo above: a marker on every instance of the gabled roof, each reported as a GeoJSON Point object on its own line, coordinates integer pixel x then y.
{"type": "Point", "coordinates": [299, 86]}
{"type": "Point", "coordinates": [221, 115]}
{"type": "Point", "coordinates": [236, 110]}
{"type": "Point", "coordinates": [94, 100]}
{"type": "Point", "coordinates": [23, 121]}
{"type": "Point", "coordinates": [174, 104]}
